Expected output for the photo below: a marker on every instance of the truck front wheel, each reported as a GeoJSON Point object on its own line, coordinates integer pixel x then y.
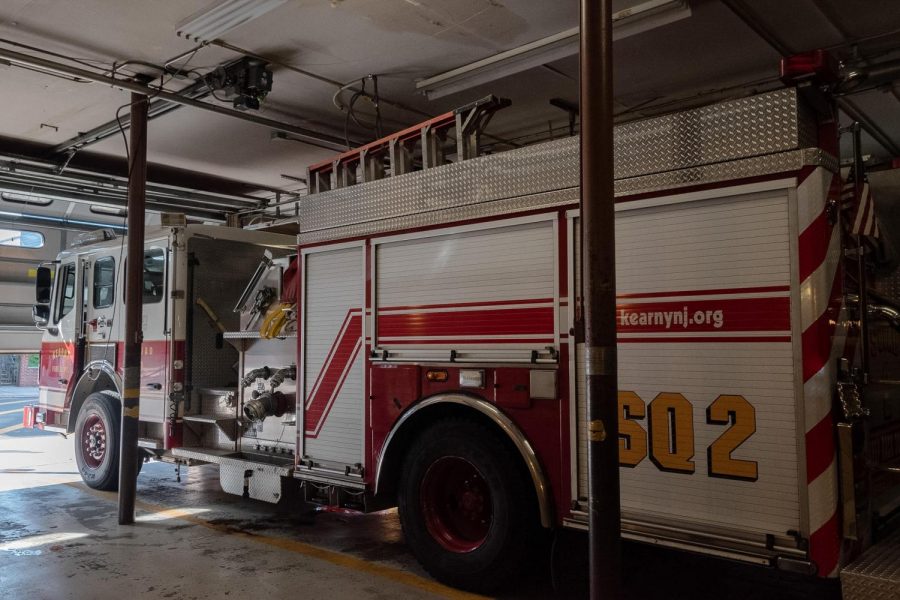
{"type": "Point", "coordinates": [97, 442]}
{"type": "Point", "coordinates": [467, 509]}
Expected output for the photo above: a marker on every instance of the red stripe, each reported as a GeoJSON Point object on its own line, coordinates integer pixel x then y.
{"type": "Point", "coordinates": [825, 546]}
{"type": "Point", "coordinates": [513, 321]}
{"type": "Point", "coordinates": [817, 339]}
{"type": "Point", "coordinates": [469, 304]}
{"type": "Point", "coordinates": [459, 342]}
{"type": "Point", "coordinates": [814, 241]}
{"type": "Point", "coordinates": [332, 349]}
{"type": "Point", "coordinates": [719, 292]}
{"type": "Point", "coordinates": [332, 376]}
{"type": "Point", "coordinates": [819, 448]}
{"type": "Point", "coordinates": [743, 314]}
{"type": "Point", "coordinates": [314, 433]}
{"type": "Point", "coordinates": [706, 340]}
{"type": "Point", "coordinates": [804, 173]}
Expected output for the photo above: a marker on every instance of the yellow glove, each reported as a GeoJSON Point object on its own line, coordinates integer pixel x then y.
{"type": "Point", "coordinates": [275, 320]}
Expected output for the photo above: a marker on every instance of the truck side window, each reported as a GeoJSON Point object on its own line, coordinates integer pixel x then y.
{"type": "Point", "coordinates": [104, 282]}
{"type": "Point", "coordinates": [67, 297]}
{"type": "Point", "coordinates": [154, 268]}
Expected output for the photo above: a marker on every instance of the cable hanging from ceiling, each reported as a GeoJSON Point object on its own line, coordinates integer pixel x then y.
{"type": "Point", "coordinates": [349, 109]}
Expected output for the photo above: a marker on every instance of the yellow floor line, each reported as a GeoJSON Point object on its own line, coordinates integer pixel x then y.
{"type": "Point", "coordinates": [9, 412]}
{"type": "Point", "coordinates": [335, 558]}
{"type": "Point", "coordinates": [11, 428]}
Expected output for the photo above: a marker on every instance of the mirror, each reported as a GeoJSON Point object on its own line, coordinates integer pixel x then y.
{"type": "Point", "coordinates": [43, 286]}
{"type": "Point", "coordinates": [41, 315]}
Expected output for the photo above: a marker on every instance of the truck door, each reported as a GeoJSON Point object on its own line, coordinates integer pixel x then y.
{"type": "Point", "coordinates": [104, 311]}
{"type": "Point", "coordinates": [155, 349]}
{"type": "Point", "coordinates": [332, 358]}
{"type": "Point", "coordinates": [62, 346]}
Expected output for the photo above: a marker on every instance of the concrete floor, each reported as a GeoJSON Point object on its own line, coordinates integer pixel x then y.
{"type": "Point", "coordinates": [60, 539]}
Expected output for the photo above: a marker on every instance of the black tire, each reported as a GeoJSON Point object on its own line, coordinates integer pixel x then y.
{"type": "Point", "coordinates": [467, 507]}
{"type": "Point", "coordinates": [97, 441]}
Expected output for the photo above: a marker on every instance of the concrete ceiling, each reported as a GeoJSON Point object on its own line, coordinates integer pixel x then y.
{"type": "Point", "coordinates": [711, 54]}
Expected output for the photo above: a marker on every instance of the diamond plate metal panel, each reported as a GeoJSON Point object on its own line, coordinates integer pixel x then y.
{"type": "Point", "coordinates": [263, 481]}
{"type": "Point", "coordinates": [768, 164]}
{"type": "Point", "coordinates": [395, 219]}
{"type": "Point", "coordinates": [742, 138]}
{"type": "Point", "coordinates": [876, 574]}
{"type": "Point", "coordinates": [727, 131]}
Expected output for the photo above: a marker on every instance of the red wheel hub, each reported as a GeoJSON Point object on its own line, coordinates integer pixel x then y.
{"type": "Point", "coordinates": [456, 504]}
{"type": "Point", "coordinates": [93, 441]}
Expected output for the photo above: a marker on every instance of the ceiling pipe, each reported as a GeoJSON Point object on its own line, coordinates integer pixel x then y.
{"type": "Point", "coordinates": [309, 136]}
{"type": "Point", "coordinates": [99, 186]}
{"type": "Point", "coordinates": [316, 76]}
{"type": "Point", "coordinates": [83, 194]}
{"type": "Point", "coordinates": [57, 222]}
{"type": "Point", "coordinates": [65, 195]}
{"type": "Point", "coordinates": [348, 87]}
{"type": "Point", "coordinates": [158, 108]}
{"type": "Point", "coordinates": [47, 171]}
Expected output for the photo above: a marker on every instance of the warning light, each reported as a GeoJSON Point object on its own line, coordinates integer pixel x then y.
{"type": "Point", "coordinates": [816, 64]}
{"type": "Point", "coordinates": [437, 375]}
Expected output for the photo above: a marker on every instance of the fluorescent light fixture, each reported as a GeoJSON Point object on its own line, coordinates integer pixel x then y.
{"type": "Point", "coordinates": [626, 22]}
{"type": "Point", "coordinates": [209, 24]}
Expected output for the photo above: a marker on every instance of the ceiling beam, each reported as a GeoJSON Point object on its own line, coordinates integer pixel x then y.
{"type": "Point", "coordinates": [752, 20]}
{"type": "Point", "coordinates": [101, 164]}
{"type": "Point", "coordinates": [831, 15]}
{"type": "Point", "coordinates": [158, 108]}
{"type": "Point", "coordinates": [314, 138]}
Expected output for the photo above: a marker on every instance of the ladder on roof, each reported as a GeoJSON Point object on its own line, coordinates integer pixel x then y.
{"type": "Point", "coordinates": [394, 154]}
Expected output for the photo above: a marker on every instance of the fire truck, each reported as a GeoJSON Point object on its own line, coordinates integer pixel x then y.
{"type": "Point", "coordinates": [419, 344]}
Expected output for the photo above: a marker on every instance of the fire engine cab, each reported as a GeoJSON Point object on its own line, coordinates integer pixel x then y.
{"type": "Point", "coordinates": [419, 344]}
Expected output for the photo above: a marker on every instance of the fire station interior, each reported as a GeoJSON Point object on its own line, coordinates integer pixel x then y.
{"type": "Point", "coordinates": [233, 129]}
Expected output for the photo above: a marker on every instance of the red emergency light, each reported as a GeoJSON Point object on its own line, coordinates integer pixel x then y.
{"type": "Point", "coordinates": [816, 64]}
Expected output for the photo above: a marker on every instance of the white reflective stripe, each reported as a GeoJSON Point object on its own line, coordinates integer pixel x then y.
{"type": "Point", "coordinates": [860, 208]}
{"type": "Point", "coordinates": [815, 291]}
{"type": "Point", "coordinates": [823, 499]}
{"type": "Point", "coordinates": [818, 389]}
{"type": "Point", "coordinates": [812, 196]}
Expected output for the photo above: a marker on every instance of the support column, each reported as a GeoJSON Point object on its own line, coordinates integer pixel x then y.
{"type": "Point", "coordinates": [137, 183]}
{"type": "Point", "coordinates": [598, 275]}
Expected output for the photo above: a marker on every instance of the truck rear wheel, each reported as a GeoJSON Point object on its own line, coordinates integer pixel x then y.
{"type": "Point", "coordinates": [97, 442]}
{"type": "Point", "coordinates": [467, 509]}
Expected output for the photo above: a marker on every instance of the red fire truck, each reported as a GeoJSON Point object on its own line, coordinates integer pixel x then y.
{"type": "Point", "coordinates": [420, 344]}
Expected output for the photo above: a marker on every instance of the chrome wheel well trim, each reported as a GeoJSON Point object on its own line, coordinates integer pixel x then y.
{"type": "Point", "coordinates": [506, 425]}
